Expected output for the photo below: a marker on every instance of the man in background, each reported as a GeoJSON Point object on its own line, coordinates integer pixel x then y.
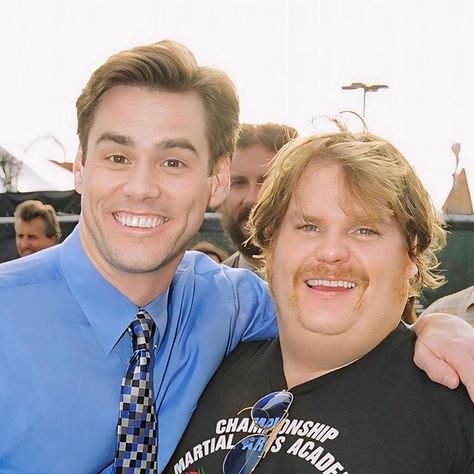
{"type": "Point", "coordinates": [36, 227]}
{"type": "Point", "coordinates": [459, 304]}
{"type": "Point", "coordinates": [256, 147]}
{"type": "Point", "coordinates": [212, 251]}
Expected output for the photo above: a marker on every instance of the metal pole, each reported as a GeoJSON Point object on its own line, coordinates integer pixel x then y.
{"type": "Point", "coordinates": [363, 105]}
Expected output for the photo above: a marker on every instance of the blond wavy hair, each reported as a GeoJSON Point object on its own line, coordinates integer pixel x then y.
{"type": "Point", "coordinates": [376, 174]}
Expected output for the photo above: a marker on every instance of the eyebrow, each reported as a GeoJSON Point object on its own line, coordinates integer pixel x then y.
{"type": "Point", "coordinates": [238, 176]}
{"type": "Point", "coordinates": [116, 138]}
{"type": "Point", "coordinates": [354, 219]}
{"type": "Point", "coordinates": [169, 143]}
{"type": "Point", "coordinates": [165, 144]}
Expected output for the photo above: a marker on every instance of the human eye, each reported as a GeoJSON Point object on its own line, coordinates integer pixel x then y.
{"type": "Point", "coordinates": [173, 163]}
{"type": "Point", "coordinates": [238, 183]}
{"type": "Point", "coordinates": [306, 227]}
{"type": "Point", "coordinates": [118, 159]}
{"type": "Point", "coordinates": [366, 231]}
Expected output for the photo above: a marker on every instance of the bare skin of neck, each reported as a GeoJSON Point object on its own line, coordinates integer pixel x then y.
{"type": "Point", "coordinates": [311, 356]}
{"type": "Point", "coordinates": [140, 288]}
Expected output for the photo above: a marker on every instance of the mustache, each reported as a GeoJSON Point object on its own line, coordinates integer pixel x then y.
{"type": "Point", "coordinates": [336, 271]}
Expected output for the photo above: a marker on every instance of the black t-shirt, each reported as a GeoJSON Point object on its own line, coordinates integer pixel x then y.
{"type": "Point", "coordinates": [379, 415]}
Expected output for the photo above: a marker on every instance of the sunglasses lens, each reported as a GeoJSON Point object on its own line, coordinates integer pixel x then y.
{"type": "Point", "coordinates": [268, 410]}
{"type": "Point", "coordinates": [245, 455]}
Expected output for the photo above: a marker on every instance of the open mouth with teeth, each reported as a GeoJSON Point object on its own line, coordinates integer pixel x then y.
{"type": "Point", "coordinates": [142, 222]}
{"type": "Point", "coordinates": [319, 283]}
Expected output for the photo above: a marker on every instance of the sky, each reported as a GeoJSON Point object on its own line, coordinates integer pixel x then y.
{"type": "Point", "coordinates": [288, 59]}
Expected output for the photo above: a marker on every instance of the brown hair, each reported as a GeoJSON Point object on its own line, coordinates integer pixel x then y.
{"type": "Point", "coordinates": [272, 136]}
{"type": "Point", "coordinates": [170, 67]}
{"type": "Point", "coordinates": [376, 174]}
{"type": "Point", "coordinates": [32, 209]}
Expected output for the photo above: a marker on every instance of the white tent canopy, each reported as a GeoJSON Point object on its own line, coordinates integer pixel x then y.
{"type": "Point", "coordinates": [37, 173]}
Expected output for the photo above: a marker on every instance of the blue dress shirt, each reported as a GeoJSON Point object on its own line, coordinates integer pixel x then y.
{"type": "Point", "coordinates": [64, 349]}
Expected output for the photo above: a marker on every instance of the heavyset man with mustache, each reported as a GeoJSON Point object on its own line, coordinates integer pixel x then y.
{"type": "Point", "coordinates": [348, 236]}
{"type": "Point", "coordinates": [120, 303]}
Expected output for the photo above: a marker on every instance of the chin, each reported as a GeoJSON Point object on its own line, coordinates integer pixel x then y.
{"type": "Point", "coordinates": [328, 324]}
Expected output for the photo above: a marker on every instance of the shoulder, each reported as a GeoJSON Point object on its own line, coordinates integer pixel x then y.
{"type": "Point", "coordinates": [248, 351]}
{"type": "Point", "coordinates": [37, 268]}
{"type": "Point", "coordinates": [455, 303]}
{"type": "Point", "coordinates": [250, 361]}
{"type": "Point", "coordinates": [232, 261]}
{"type": "Point", "coordinates": [201, 268]}
{"type": "Point", "coordinates": [251, 364]}
{"type": "Point", "coordinates": [393, 363]}
{"type": "Point", "coordinates": [233, 301]}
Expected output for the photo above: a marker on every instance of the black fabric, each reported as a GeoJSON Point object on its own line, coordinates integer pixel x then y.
{"type": "Point", "coordinates": [379, 415]}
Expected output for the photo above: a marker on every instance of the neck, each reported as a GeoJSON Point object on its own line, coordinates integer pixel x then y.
{"type": "Point", "coordinates": [142, 287]}
{"type": "Point", "coordinates": [309, 356]}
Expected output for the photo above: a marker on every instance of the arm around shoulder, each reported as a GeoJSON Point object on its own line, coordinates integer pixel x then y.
{"type": "Point", "coordinates": [445, 350]}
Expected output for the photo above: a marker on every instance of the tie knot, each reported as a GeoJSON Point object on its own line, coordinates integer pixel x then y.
{"type": "Point", "coordinates": [141, 330]}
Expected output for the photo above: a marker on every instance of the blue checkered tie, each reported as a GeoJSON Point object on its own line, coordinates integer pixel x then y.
{"type": "Point", "coordinates": [137, 424]}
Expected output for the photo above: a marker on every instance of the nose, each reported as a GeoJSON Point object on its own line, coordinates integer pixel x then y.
{"type": "Point", "coordinates": [23, 242]}
{"type": "Point", "coordinates": [23, 245]}
{"type": "Point", "coordinates": [252, 194]}
{"type": "Point", "coordinates": [332, 248]}
{"type": "Point", "coordinates": [141, 182]}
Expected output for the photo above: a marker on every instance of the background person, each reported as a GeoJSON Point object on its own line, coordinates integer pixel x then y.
{"type": "Point", "coordinates": [459, 304]}
{"type": "Point", "coordinates": [212, 251]}
{"type": "Point", "coordinates": [256, 146]}
{"type": "Point", "coordinates": [36, 227]}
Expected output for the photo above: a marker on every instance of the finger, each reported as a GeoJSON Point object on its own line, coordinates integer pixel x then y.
{"type": "Point", "coordinates": [437, 369]}
{"type": "Point", "coordinates": [470, 389]}
{"type": "Point", "coordinates": [464, 367]}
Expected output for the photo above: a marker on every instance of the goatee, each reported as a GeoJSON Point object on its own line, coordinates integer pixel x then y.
{"type": "Point", "coordinates": [234, 231]}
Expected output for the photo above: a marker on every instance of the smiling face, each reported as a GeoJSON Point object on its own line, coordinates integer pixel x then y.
{"type": "Point", "coordinates": [335, 269]}
{"type": "Point", "coordinates": [247, 173]}
{"type": "Point", "coordinates": [31, 236]}
{"type": "Point", "coordinates": [145, 183]}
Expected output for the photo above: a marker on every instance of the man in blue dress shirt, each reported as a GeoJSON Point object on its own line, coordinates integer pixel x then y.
{"type": "Point", "coordinates": [156, 133]}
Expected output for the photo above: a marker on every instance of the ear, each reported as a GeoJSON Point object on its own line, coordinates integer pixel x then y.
{"type": "Point", "coordinates": [414, 251]}
{"type": "Point", "coordinates": [78, 169]}
{"type": "Point", "coordinates": [220, 182]}
{"type": "Point", "coordinates": [53, 240]}
{"type": "Point", "coordinates": [413, 269]}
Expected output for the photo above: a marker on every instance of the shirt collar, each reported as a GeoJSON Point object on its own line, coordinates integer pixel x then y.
{"type": "Point", "coordinates": [244, 263]}
{"type": "Point", "coordinates": [108, 311]}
